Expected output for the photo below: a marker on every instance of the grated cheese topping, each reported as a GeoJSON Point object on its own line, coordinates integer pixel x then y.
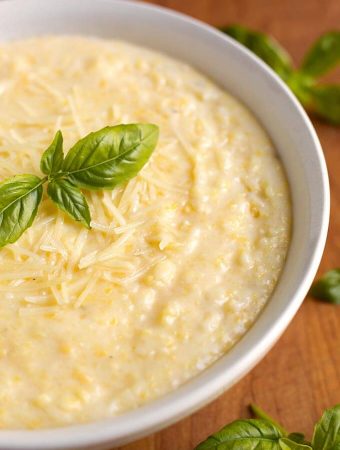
{"type": "Point", "coordinates": [180, 260]}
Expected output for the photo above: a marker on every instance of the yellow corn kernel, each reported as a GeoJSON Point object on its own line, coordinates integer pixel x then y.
{"type": "Point", "coordinates": [42, 400]}
{"type": "Point", "coordinates": [50, 315]}
{"type": "Point", "coordinates": [65, 348]}
{"type": "Point", "coordinates": [254, 211]}
{"type": "Point", "coordinates": [70, 402]}
{"type": "Point", "coordinates": [81, 376]}
{"type": "Point", "coordinates": [100, 352]}
{"type": "Point", "coordinates": [169, 314]}
{"type": "Point", "coordinates": [33, 424]}
{"type": "Point", "coordinates": [143, 395]}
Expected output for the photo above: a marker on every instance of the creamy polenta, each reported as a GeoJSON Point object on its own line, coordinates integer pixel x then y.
{"type": "Point", "coordinates": [179, 261]}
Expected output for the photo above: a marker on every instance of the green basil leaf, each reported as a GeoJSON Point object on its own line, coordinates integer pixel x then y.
{"type": "Point", "coordinates": [244, 435]}
{"type": "Point", "coordinates": [324, 100]}
{"type": "Point", "coordinates": [324, 54]}
{"type": "Point", "coordinates": [336, 446]}
{"type": "Point", "coordinates": [327, 430]}
{"type": "Point", "coordinates": [52, 159]}
{"type": "Point", "coordinates": [264, 47]}
{"type": "Point", "coordinates": [110, 156]}
{"type": "Point", "coordinates": [299, 438]}
{"type": "Point", "coordinates": [288, 444]}
{"type": "Point", "coordinates": [19, 200]}
{"type": "Point", "coordinates": [300, 84]}
{"type": "Point", "coordinates": [70, 200]}
{"type": "Point", "coordinates": [260, 414]}
{"type": "Point", "coordinates": [327, 288]}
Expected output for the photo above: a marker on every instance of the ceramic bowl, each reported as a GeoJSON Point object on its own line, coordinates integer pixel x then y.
{"type": "Point", "coordinates": [250, 80]}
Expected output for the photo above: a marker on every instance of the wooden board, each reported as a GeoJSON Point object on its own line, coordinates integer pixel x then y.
{"type": "Point", "coordinates": [301, 375]}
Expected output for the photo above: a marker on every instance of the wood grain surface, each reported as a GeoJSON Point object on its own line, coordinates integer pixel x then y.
{"type": "Point", "coordinates": [301, 375]}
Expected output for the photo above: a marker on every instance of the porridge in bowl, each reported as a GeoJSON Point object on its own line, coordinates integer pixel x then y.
{"type": "Point", "coordinates": [180, 260]}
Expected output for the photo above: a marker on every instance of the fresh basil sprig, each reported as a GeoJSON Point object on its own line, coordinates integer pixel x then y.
{"type": "Point", "coordinates": [264, 433]}
{"type": "Point", "coordinates": [267, 48]}
{"type": "Point", "coordinates": [321, 99]}
{"type": "Point", "coordinates": [327, 288]}
{"type": "Point", "coordinates": [101, 160]}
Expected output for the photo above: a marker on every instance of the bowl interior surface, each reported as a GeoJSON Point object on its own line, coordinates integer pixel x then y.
{"type": "Point", "coordinates": [247, 78]}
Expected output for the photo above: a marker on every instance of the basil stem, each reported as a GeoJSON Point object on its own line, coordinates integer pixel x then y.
{"type": "Point", "coordinates": [260, 414]}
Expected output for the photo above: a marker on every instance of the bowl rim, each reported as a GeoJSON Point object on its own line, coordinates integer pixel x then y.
{"type": "Point", "coordinates": [213, 381]}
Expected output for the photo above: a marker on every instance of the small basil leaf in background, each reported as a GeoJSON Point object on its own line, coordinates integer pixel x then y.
{"type": "Point", "coordinates": [52, 159]}
{"type": "Point", "coordinates": [70, 200]}
{"type": "Point", "coordinates": [300, 84]}
{"type": "Point", "coordinates": [327, 430]}
{"type": "Point", "coordinates": [327, 288]}
{"type": "Point", "coordinates": [264, 47]}
{"type": "Point", "coordinates": [260, 414]}
{"type": "Point", "coordinates": [324, 54]}
{"type": "Point", "coordinates": [324, 100]}
{"type": "Point", "coordinates": [244, 435]}
{"type": "Point", "coordinates": [299, 438]}
{"type": "Point", "coordinates": [110, 156]}
{"type": "Point", "coordinates": [288, 444]}
{"type": "Point", "coordinates": [19, 200]}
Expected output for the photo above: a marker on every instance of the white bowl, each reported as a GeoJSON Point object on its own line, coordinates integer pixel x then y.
{"type": "Point", "coordinates": [245, 76]}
